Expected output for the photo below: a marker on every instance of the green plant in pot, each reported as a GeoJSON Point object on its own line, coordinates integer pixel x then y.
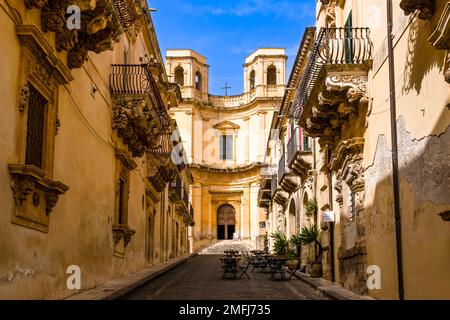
{"type": "Point", "coordinates": [291, 259]}
{"type": "Point", "coordinates": [311, 236]}
{"type": "Point", "coordinates": [311, 208]}
{"type": "Point", "coordinates": [296, 241]}
{"type": "Point", "coordinates": [281, 243]}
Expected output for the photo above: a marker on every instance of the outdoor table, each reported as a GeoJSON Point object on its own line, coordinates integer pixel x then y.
{"type": "Point", "coordinates": [230, 267]}
{"type": "Point", "coordinates": [277, 266]}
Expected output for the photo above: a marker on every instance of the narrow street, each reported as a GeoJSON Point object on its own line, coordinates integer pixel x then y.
{"type": "Point", "coordinates": [200, 279]}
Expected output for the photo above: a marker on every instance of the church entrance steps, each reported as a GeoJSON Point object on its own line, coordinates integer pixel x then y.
{"type": "Point", "coordinates": [221, 246]}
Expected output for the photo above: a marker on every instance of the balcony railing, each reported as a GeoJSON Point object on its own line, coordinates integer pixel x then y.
{"type": "Point", "coordinates": [129, 79]}
{"type": "Point", "coordinates": [334, 46]}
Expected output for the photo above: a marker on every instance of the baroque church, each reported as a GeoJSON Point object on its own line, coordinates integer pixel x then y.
{"type": "Point", "coordinates": [225, 138]}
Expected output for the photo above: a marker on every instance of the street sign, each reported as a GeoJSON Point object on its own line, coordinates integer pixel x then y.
{"type": "Point", "coordinates": [328, 216]}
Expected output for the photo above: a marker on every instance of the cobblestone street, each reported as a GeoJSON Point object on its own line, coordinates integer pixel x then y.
{"type": "Point", "coordinates": [200, 279]}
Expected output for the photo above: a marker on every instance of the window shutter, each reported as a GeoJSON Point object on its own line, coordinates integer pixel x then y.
{"type": "Point", "coordinates": [229, 147]}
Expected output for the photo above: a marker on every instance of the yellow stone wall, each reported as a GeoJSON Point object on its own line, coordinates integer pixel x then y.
{"type": "Point", "coordinates": [33, 264]}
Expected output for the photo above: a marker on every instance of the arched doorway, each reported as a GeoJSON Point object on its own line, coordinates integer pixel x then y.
{"type": "Point", "coordinates": [226, 222]}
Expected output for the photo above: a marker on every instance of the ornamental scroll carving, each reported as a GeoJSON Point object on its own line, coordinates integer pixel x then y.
{"type": "Point", "coordinates": [341, 103]}
{"type": "Point", "coordinates": [426, 8]}
{"type": "Point", "coordinates": [136, 125]}
{"type": "Point", "coordinates": [102, 24]}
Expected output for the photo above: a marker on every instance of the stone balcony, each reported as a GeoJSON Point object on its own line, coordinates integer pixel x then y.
{"type": "Point", "coordinates": [299, 157]}
{"type": "Point", "coordinates": [287, 180]}
{"type": "Point", "coordinates": [277, 194]}
{"type": "Point", "coordinates": [332, 100]}
{"type": "Point", "coordinates": [264, 193]}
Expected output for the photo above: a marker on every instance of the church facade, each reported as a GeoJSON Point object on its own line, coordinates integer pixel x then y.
{"type": "Point", "coordinates": [225, 142]}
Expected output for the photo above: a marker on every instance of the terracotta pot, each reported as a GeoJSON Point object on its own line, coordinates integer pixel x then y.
{"type": "Point", "coordinates": [292, 264]}
{"type": "Point", "coordinates": [314, 269]}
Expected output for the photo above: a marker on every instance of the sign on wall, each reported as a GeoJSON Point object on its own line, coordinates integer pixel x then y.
{"type": "Point", "coordinates": [328, 216]}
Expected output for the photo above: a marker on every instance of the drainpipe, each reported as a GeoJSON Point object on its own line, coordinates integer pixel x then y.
{"type": "Point", "coordinates": [395, 177]}
{"type": "Point", "coordinates": [330, 195]}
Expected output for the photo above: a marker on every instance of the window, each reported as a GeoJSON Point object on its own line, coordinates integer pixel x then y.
{"type": "Point", "coordinates": [252, 80]}
{"type": "Point", "coordinates": [179, 76]}
{"type": "Point", "coordinates": [271, 75]}
{"type": "Point", "coordinates": [198, 81]}
{"type": "Point", "coordinates": [349, 50]}
{"type": "Point", "coordinates": [122, 202]}
{"type": "Point", "coordinates": [262, 224]}
{"type": "Point", "coordinates": [226, 147]}
{"type": "Point", "coordinates": [35, 128]}
{"type": "Point", "coordinates": [306, 144]}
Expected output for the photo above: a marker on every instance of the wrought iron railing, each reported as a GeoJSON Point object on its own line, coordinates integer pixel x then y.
{"type": "Point", "coordinates": [335, 46]}
{"type": "Point", "coordinates": [137, 79]}
{"type": "Point", "coordinates": [129, 79]}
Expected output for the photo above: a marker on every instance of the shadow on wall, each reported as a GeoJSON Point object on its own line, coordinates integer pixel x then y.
{"type": "Point", "coordinates": [421, 57]}
{"type": "Point", "coordinates": [424, 171]}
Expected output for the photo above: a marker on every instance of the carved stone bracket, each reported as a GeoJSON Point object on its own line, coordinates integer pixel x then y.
{"type": "Point", "coordinates": [23, 97]}
{"type": "Point", "coordinates": [426, 8]}
{"type": "Point", "coordinates": [136, 125]}
{"type": "Point", "coordinates": [35, 196]}
{"type": "Point", "coordinates": [100, 26]}
{"type": "Point", "coordinates": [124, 232]}
{"type": "Point", "coordinates": [342, 102]}
{"type": "Point", "coordinates": [26, 179]}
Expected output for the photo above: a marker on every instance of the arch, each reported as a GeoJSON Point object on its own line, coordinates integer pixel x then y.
{"type": "Point", "coordinates": [226, 222]}
{"type": "Point", "coordinates": [198, 81]}
{"type": "Point", "coordinates": [252, 80]}
{"type": "Point", "coordinates": [271, 75]}
{"type": "Point", "coordinates": [179, 75]}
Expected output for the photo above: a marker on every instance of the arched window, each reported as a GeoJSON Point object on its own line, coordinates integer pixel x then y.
{"type": "Point", "coordinates": [252, 80]}
{"type": "Point", "coordinates": [272, 75]}
{"type": "Point", "coordinates": [179, 76]}
{"type": "Point", "coordinates": [198, 81]}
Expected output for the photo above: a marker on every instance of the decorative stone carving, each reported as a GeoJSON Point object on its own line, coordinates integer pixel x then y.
{"type": "Point", "coordinates": [30, 185]}
{"type": "Point", "coordinates": [331, 15]}
{"type": "Point", "coordinates": [426, 8]}
{"type": "Point", "coordinates": [136, 125]}
{"type": "Point", "coordinates": [23, 97]}
{"type": "Point", "coordinates": [120, 232]}
{"type": "Point", "coordinates": [35, 3]}
{"type": "Point", "coordinates": [341, 102]}
{"type": "Point", "coordinates": [100, 31]}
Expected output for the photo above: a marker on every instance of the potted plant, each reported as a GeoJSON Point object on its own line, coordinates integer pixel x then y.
{"type": "Point", "coordinates": [311, 208]}
{"type": "Point", "coordinates": [296, 241]}
{"type": "Point", "coordinates": [281, 243]}
{"type": "Point", "coordinates": [311, 236]}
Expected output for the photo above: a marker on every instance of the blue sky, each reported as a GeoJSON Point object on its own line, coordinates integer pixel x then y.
{"type": "Point", "coordinates": [226, 31]}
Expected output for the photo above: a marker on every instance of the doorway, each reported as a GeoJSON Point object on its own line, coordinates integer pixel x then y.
{"type": "Point", "coordinates": [226, 222]}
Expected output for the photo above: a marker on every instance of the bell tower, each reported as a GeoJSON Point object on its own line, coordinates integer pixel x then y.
{"type": "Point", "coordinates": [190, 70]}
{"type": "Point", "coordinates": [265, 72]}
